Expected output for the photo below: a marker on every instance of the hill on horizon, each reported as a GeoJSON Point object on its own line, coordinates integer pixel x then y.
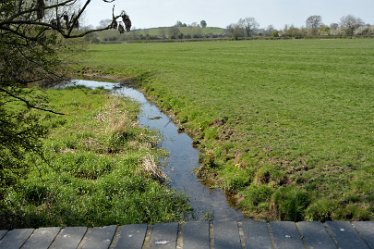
{"type": "Point", "coordinates": [172, 32]}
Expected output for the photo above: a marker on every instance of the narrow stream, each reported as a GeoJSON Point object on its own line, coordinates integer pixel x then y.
{"type": "Point", "coordinates": [182, 158]}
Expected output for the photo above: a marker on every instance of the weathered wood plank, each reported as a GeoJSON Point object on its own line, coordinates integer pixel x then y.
{"type": "Point", "coordinates": [99, 237]}
{"type": "Point", "coordinates": [131, 236]}
{"type": "Point", "coordinates": [164, 236]}
{"type": "Point", "coordinates": [345, 235]}
{"type": "Point", "coordinates": [315, 235]}
{"type": "Point", "coordinates": [286, 235]}
{"type": "Point", "coordinates": [226, 235]}
{"type": "Point", "coordinates": [2, 233]}
{"type": "Point", "coordinates": [69, 238]}
{"type": "Point", "coordinates": [256, 235]}
{"type": "Point", "coordinates": [14, 239]}
{"type": "Point", "coordinates": [41, 238]}
{"type": "Point", "coordinates": [366, 231]}
{"type": "Point", "coordinates": [196, 235]}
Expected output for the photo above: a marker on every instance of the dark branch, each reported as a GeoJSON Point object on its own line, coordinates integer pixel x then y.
{"type": "Point", "coordinates": [33, 10]}
{"type": "Point", "coordinates": [75, 20]}
{"type": "Point", "coordinates": [29, 105]}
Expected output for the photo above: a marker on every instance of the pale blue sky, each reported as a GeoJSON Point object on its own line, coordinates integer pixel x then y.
{"type": "Point", "coordinates": [220, 13]}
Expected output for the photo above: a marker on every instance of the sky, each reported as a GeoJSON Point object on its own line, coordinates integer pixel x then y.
{"type": "Point", "coordinates": [221, 13]}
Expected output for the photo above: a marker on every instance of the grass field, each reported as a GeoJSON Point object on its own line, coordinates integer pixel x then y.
{"type": "Point", "coordinates": [286, 126]}
{"type": "Point", "coordinates": [98, 168]}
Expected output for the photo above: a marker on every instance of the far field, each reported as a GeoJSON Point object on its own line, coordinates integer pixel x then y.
{"type": "Point", "coordinates": [286, 126]}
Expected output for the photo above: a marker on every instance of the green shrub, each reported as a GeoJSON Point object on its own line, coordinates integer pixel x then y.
{"type": "Point", "coordinates": [289, 203]}
{"type": "Point", "coordinates": [353, 211]}
{"type": "Point", "coordinates": [320, 210]}
{"type": "Point", "coordinates": [257, 196]}
{"type": "Point", "coordinates": [235, 178]}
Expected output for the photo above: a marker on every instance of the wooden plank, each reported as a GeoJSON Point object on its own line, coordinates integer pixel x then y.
{"type": "Point", "coordinates": [366, 231]}
{"type": "Point", "coordinates": [41, 238]}
{"type": "Point", "coordinates": [345, 235]}
{"type": "Point", "coordinates": [2, 233]}
{"type": "Point", "coordinates": [315, 235]}
{"type": "Point", "coordinates": [286, 235]}
{"type": "Point", "coordinates": [69, 238]}
{"type": "Point", "coordinates": [99, 237]}
{"type": "Point", "coordinates": [14, 239]}
{"type": "Point", "coordinates": [196, 235]}
{"type": "Point", "coordinates": [164, 236]}
{"type": "Point", "coordinates": [226, 235]}
{"type": "Point", "coordinates": [256, 235]}
{"type": "Point", "coordinates": [131, 236]}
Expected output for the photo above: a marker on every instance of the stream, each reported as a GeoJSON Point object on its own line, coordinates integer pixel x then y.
{"type": "Point", "coordinates": [181, 160]}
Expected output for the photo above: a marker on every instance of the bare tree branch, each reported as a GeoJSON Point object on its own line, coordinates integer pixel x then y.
{"type": "Point", "coordinates": [78, 16]}
{"type": "Point", "coordinates": [33, 10]}
{"type": "Point", "coordinates": [16, 21]}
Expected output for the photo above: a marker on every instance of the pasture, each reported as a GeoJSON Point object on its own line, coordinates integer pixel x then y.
{"type": "Point", "coordinates": [286, 127]}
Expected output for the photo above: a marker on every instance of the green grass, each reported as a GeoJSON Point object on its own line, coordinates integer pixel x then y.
{"type": "Point", "coordinates": [93, 169]}
{"type": "Point", "coordinates": [293, 120]}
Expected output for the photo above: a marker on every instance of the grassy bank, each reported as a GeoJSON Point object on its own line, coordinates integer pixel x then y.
{"type": "Point", "coordinates": [98, 168]}
{"type": "Point", "coordinates": [287, 126]}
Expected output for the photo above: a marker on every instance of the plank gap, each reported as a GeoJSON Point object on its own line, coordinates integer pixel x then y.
{"type": "Point", "coordinates": [115, 238]}
{"type": "Point", "coordinates": [147, 239]}
{"type": "Point", "coordinates": [180, 236]}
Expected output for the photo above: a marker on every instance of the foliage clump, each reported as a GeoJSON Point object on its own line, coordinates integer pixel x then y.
{"type": "Point", "coordinates": [31, 44]}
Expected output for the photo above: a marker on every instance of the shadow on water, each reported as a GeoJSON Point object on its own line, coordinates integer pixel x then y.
{"type": "Point", "coordinates": [182, 159]}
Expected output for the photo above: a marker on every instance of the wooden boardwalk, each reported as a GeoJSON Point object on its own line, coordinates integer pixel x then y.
{"type": "Point", "coordinates": [247, 234]}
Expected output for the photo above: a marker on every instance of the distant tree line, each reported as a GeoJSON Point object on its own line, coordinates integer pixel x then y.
{"type": "Point", "coordinates": [202, 24]}
{"type": "Point", "coordinates": [245, 28]}
{"type": "Point", "coordinates": [348, 26]}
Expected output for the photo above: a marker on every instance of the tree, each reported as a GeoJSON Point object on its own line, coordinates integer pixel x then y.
{"type": "Point", "coordinates": [235, 31]}
{"type": "Point", "coordinates": [174, 32]}
{"type": "Point", "coordinates": [179, 24]}
{"type": "Point", "coordinates": [324, 30]}
{"type": "Point", "coordinates": [313, 23]}
{"type": "Point", "coordinates": [31, 33]}
{"type": "Point", "coordinates": [334, 28]}
{"type": "Point", "coordinates": [349, 23]}
{"type": "Point", "coordinates": [249, 25]}
{"type": "Point", "coordinates": [203, 24]}
{"type": "Point", "coordinates": [292, 31]}
{"type": "Point", "coordinates": [270, 31]}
